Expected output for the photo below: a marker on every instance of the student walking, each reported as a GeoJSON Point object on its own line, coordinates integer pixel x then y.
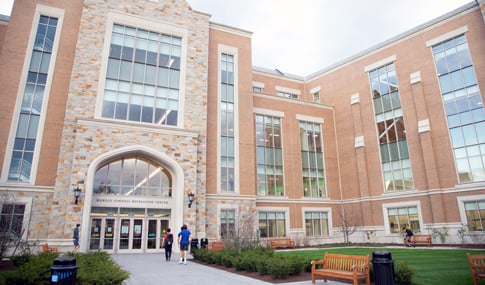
{"type": "Point", "coordinates": [167, 244]}
{"type": "Point", "coordinates": [75, 238]}
{"type": "Point", "coordinates": [184, 238]}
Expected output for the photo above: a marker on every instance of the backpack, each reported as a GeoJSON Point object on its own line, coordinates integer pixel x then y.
{"type": "Point", "coordinates": [169, 240]}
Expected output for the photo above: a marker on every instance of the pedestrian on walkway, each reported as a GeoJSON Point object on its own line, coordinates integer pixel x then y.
{"type": "Point", "coordinates": [184, 238]}
{"type": "Point", "coordinates": [75, 238]}
{"type": "Point", "coordinates": [167, 244]}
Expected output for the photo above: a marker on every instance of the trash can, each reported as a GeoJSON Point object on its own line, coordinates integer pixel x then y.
{"type": "Point", "coordinates": [194, 244]}
{"type": "Point", "coordinates": [383, 268]}
{"type": "Point", "coordinates": [204, 242]}
{"type": "Point", "coordinates": [64, 271]}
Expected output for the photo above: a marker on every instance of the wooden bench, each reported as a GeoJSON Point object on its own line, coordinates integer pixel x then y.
{"type": "Point", "coordinates": [215, 246]}
{"type": "Point", "coordinates": [281, 243]}
{"type": "Point", "coordinates": [46, 248]}
{"type": "Point", "coordinates": [420, 240]}
{"type": "Point", "coordinates": [477, 267]}
{"type": "Point", "coordinates": [352, 267]}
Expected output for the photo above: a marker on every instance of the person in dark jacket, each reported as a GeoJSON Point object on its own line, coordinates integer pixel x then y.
{"type": "Point", "coordinates": [409, 236]}
{"type": "Point", "coordinates": [167, 244]}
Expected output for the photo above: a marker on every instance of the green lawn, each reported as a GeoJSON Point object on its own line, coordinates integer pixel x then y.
{"type": "Point", "coordinates": [431, 266]}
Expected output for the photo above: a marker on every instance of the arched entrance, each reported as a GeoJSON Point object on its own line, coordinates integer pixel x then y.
{"type": "Point", "coordinates": [133, 195]}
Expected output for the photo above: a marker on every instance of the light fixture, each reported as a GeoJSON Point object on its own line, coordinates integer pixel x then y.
{"type": "Point", "coordinates": [77, 193]}
{"type": "Point", "coordinates": [191, 198]}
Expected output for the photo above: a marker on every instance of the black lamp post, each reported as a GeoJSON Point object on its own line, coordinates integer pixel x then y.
{"type": "Point", "coordinates": [191, 198]}
{"type": "Point", "coordinates": [77, 193]}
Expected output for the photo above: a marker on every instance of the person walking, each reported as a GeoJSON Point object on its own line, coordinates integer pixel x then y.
{"type": "Point", "coordinates": [167, 244]}
{"type": "Point", "coordinates": [75, 238]}
{"type": "Point", "coordinates": [184, 238]}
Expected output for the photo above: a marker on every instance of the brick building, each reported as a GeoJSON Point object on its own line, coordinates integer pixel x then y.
{"type": "Point", "coordinates": [142, 106]}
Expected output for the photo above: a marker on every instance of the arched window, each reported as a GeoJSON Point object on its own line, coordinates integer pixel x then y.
{"type": "Point", "coordinates": [133, 176]}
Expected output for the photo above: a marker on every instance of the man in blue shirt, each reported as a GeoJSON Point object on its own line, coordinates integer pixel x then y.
{"type": "Point", "coordinates": [184, 238]}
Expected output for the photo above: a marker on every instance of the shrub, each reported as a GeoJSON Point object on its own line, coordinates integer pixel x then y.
{"type": "Point", "coordinates": [32, 271]}
{"type": "Point", "coordinates": [261, 265]}
{"type": "Point", "coordinates": [278, 267]}
{"type": "Point", "coordinates": [308, 265]}
{"type": "Point", "coordinates": [402, 273]}
{"type": "Point", "coordinates": [227, 259]}
{"type": "Point", "coordinates": [297, 264]}
{"type": "Point", "coordinates": [93, 268]}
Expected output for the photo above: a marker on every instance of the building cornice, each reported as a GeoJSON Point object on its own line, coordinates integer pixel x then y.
{"type": "Point", "coordinates": [125, 125]}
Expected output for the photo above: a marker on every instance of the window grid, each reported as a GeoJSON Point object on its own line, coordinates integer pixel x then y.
{"type": "Point", "coordinates": [316, 223]}
{"type": "Point", "coordinates": [226, 104]}
{"type": "Point", "coordinates": [133, 176]}
{"type": "Point", "coordinates": [403, 217]}
{"type": "Point", "coordinates": [269, 156]}
{"type": "Point", "coordinates": [272, 224]}
{"type": "Point", "coordinates": [475, 215]}
{"type": "Point", "coordinates": [32, 100]}
{"type": "Point", "coordinates": [257, 89]}
{"type": "Point", "coordinates": [396, 165]}
{"type": "Point", "coordinates": [228, 224]}
{"type": "Point", "coordinates": [11, 220]}
{"type": "Point", "coordinates": [287, 95]}
{"type": "Point", "coordinates": [312, 160]}
{"type": "Point", "coordinates": [316, 97]}
{"type": "Point", "coordinates": [143, 76]}
{"type": "Point", "coordinates": [463, 106]}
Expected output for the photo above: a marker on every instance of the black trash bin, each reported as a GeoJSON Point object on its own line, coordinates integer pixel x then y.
{"type": "Point", "coordinates": [64, 271]}
{"type": "Point", "coordinates": [194, 244]}
{"type": "Point", "coordinates": [383, 268]}
{"type": "Point", "coordinates": [204, 243]}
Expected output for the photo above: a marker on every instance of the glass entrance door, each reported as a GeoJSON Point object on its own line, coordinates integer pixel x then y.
{"type": "Point", "coordinates": [115, 234]}
{"type": "Point", "coordinates": [127, 230]}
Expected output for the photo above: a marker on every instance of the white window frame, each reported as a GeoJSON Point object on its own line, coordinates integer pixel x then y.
{"type": "Point", "coordinates": [234, 52]}
{"type": "Point", "coordinates": [318, 209]}
{"type": "Point", "coordinates": [286, 210]}
{"type": "Point", "coordinates": [407, 204]}
{"type": "Point", "coordinates": [151, 25]}
{"type": "Point", "coordinates": [40, 10]}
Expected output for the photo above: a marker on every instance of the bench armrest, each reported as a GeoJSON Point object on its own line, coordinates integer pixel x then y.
{"type": "Point", "coordinates": [317, 262]}
{"type": "Point", "coordinates": [356, 267]}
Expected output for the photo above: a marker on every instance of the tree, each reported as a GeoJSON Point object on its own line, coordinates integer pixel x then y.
{"type": "Point", "coordinates": [242, 232]}
{"type": "Point", "coordinates": [349, 223]}
{"type": "Point", "coordinates": [11, 227]}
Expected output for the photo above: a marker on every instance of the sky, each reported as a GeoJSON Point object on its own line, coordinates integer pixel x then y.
{"type": "Point", "coordinates": [302, 37]}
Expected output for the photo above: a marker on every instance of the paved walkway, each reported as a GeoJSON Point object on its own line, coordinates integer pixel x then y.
{"type": "Point", "coordinates": [151, 268]}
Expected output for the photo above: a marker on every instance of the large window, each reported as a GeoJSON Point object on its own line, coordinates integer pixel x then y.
{"type": "Point", "coordinates": [396, 165]}
{"type": "Point", "coordinates": [227, 156]}
{"type": "Point", "coordinates": [272, 224]}
{"type": "Point", "coordinates": [143, 76]}
{"type": "Point", "coordinates": [269, 156]}
{"type": "Point", "coordinates": [32, 100]}
{"type": "Point", "coordinates": [11, 220]}
{"type": "Point", "coordinates": [475, 215]}
{"type": "Point", "coordinates": [133, 176]}
{"type": "Point", "coordinates": [316, 223]}
{"type": "Point", "coordinates": [228, 224]}
{"type": "Point", "coordinates": [403, 217]}
{"type": "Point", "coordinates": [312, 159]}
{"type": "Point", "coordinates": [463, 107]}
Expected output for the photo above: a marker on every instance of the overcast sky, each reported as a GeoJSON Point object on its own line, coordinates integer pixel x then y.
{"type": "Point", "coordinates": [301, 37]}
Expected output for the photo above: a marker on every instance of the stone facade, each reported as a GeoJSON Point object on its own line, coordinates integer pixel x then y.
{"type": "Point", "coordinates": [75, 140]}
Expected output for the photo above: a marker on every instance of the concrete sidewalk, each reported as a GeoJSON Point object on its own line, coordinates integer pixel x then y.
{"type": "Point", "coordinates": [151, 268]}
